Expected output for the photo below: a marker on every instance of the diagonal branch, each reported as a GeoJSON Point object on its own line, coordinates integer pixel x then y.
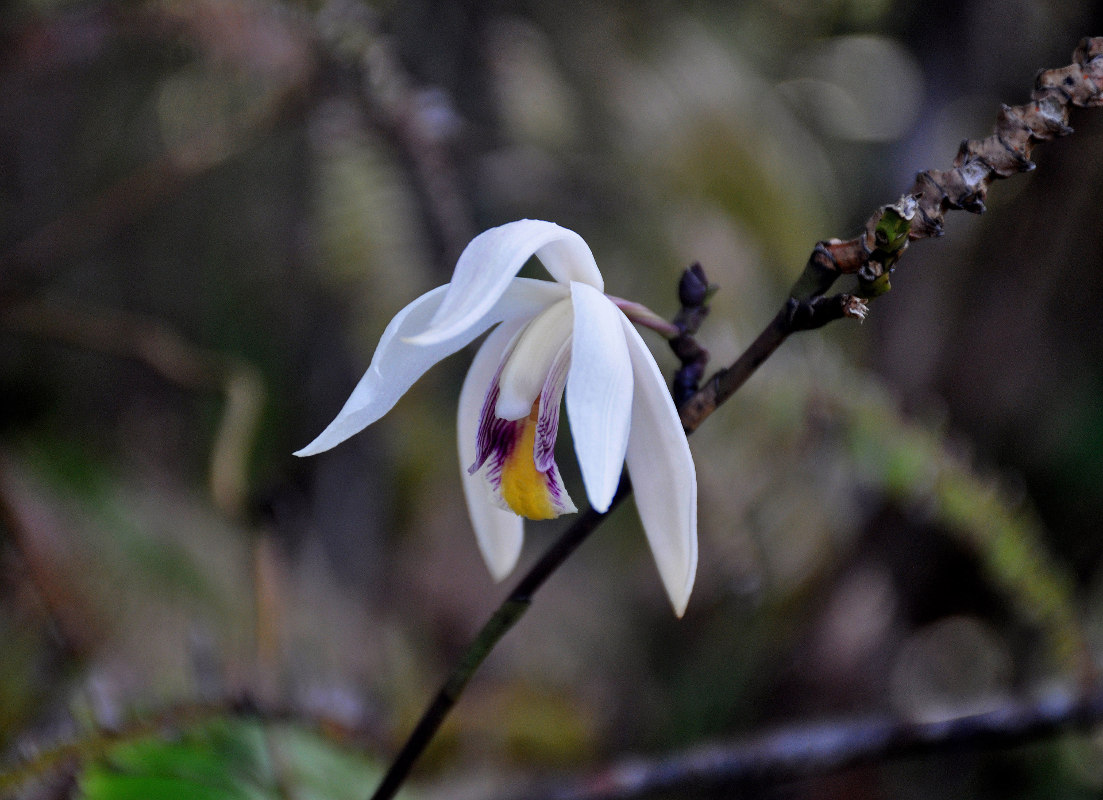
{"type": "Point", "coordinates": [870, 257]}
{"type": "Point", "coordinates": [507, 615]}
{"type": "Point", "coordinates": [919, 213]}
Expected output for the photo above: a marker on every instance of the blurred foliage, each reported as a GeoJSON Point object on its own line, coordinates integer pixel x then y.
{"type": "Point", "coordinates": [210, 210]}
{"type": "Point", "coordinates": [228, 760]}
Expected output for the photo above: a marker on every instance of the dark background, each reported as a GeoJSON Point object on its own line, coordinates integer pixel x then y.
{"type": "Point", "coordinates": [210, 210]}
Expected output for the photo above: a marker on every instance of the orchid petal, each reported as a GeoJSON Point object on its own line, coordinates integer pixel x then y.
{"type": "Point", "coordinates": [599, 392]}
{"type": "Point", "coordinates": [528, 365]}
{"type": "Point", "coordinates": [568, 258]}
{"type": "Point", "coordinates": [664, 481]}
{"type": "Point", "coordinates": [499, 533]}
{"type": "Point", "coordinates": [493, 258]}
{"type": "Point", "coordinates": [398, 363]}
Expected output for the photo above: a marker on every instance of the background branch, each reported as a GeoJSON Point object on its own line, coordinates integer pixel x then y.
{"type": "Point", "coordinates": [803, 750]}
{"type": "Point", "coordinates": [153, 343]}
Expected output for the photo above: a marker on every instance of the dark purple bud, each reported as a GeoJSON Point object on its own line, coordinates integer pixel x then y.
{"type": "Point", "coordinates": [693, 288]}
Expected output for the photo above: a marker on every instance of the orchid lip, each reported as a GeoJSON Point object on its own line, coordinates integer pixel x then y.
{"type": "Point", "coordinates": [517, 455]}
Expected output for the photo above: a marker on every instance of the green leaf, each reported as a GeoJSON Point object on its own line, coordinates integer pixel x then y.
{"type": "Point", "coordinates": [107, 785]}
{"type": "Point", "coordinates": [230, 760]}
{"type": "Point", "coordinates": [320, 771]}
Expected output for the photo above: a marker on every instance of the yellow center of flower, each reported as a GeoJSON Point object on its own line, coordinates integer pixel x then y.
{"type": "Point", "coordinates": [524, 488]}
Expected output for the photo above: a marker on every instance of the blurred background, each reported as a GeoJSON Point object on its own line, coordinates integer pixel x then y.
{"type": "Point", "coordinates": [209, 211]}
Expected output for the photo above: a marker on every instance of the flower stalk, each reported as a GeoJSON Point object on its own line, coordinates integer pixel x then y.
{"type": "Point", "coordinates": [500, 623]}
{"type": "Point", "coordinates": [871, 256]}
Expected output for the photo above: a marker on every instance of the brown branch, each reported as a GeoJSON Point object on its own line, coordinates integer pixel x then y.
{"type": "Point", "coordinates": [815, 750]}
{"type": "Point", "coordinates": [1004, 153]}
{"type": "Point", "coordinates": [419, 121]}
{"type": "Point", "coordinates": [870, 256]}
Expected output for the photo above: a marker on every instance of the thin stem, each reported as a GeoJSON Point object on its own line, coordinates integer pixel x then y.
{"type": "Point", "coordinates": [509, 612]}
{"type": "Point", "coordinates": [726, 382]}
{"type": "Point", "coordinates": [792, 317]}
{"type": "Point", "coordinates": [645, 317]}
{"type": "Point", "coordinates": [718, 389]}
{"type": "Point", "coordinates": [871, 257]}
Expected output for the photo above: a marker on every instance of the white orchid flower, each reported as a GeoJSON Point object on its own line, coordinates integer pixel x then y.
{"type": "Point", "coordinates": [551, 336]}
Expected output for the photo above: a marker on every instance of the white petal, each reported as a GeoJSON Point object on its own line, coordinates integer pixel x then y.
{"type": "Point", "coordinates": [532, 358]}
{"type": "Point", "coordinates": [499, 533]}
{"type": "Point", "coordinates": [397, 363]}
{"type": "Point", "coordinates": [664, 481]}
{"type": "Point", "coordinates": [568, 258]}
{"type": "Point", "coordinates": [599, 392]}
{"type": "Point", "coordinates": [494, 257]}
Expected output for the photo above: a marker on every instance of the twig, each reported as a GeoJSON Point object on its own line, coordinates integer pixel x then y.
{"type": "Point", "coordinates": [871, 257]}
{"type": "Point", "coordinates": [806, 750]}
{"type": "Point", "coordinates": [419, 121]}
{"type": "Point", "coordinates": [507, 615]}
{"type": "Point", "coordinates": [919, 213]}
{"type": "Point", "coordinates": [793, 316]}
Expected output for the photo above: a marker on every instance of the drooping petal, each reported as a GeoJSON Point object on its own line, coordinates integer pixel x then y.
{"type": "Point", "coordinates": [599, 392]}
{"type": "Point", "coordinates": [494, 257]}
{"type": "Point", "coordinates": [526, 368]}
{"type": "Point", "coordinates": [664, 481]}
{"type": "Point", "coordinates": [499, 533]}
{"type": "Point", "coordinates": [568, 258]}
{"type": "Point", "coordinates": [398, 363]}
